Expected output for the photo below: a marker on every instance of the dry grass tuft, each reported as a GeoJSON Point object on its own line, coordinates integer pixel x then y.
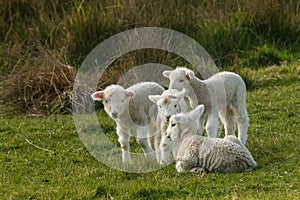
{"type": "Point", "coordinates": [39, 86]}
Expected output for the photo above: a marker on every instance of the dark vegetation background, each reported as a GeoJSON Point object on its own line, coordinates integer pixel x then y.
{"type": "Point", "coordinates": [42, 42]}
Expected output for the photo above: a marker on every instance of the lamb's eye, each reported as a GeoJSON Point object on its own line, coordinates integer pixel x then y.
{"type": "Point", "coordinates": [175, 106]}
{"type": "Point", "coordinates": [159, 106]}
{"type": "Point", "coordinates": [173, 124]}
{"type": "Point", "coordinates": [181, 80]}
{"type": "Point", "coordinates": [105, 101]}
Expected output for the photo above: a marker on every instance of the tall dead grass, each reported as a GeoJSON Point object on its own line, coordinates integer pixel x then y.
{"type": "Point", "coordinates": [41, 85]}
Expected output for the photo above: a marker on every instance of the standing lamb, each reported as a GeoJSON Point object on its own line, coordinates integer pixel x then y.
{"type": "Point", "coordinates": [223, 93]}
{"type": "Point", "coordinates": [132, 110]}
{"type": "Point", "coordinates": [170, 102]}
{"type": "Point", "coordinates": [202, 154]}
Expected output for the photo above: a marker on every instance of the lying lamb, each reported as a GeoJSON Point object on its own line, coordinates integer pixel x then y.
{"type": "Point", "coordinates": [224, 93]}
{"type": "Point", "coordinates": [170, 102]}
{"type": "Point", "coordinates": [202, 154]}
{"type": "Point", "coordinates": [132, 110]}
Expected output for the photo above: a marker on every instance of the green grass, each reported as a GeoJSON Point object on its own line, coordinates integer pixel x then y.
{"type": "Point", "coordinates": [43, 158]}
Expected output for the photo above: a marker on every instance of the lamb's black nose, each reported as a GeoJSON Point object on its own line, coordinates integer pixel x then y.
{"type": "Point", "coordinates": [168, 118]}
{"type": "Point", "coordinates": [114, 115]}
{"type": "Point", "coordinates": [168, 136]}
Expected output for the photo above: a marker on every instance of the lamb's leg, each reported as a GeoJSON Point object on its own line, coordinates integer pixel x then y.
{"type": "Point", "coordinates": [154, 132]}
{"type": "Point", "coordinates": [179, 166]}
{"type": "Point", "coordinates": [242, 121]}
{"type": "Point", "coordinates": [157, 140]}
{"type": "Point", "coordinates": [157, 147]}
{"type": "Point", "coordinates": [199, 170]}
{"type": "Point", "coordinates": [165, 147]}
{"type": "Point", "coordinates": [200, 125]}
{"type": "Point", "coordinates": [165, 144]}
{"type": "Point", "coordinates": [212, 124]}
{"type": "Point", "coordinates": [142, 139]}
{"type": "Point", "coordinates": [152, 135]}
{"type": "Point", "coordinates": [242, 128]}
{"type": "Point", "coordinates": [240, 111]}
{"type": "Point", "coordinates": [124, 142]}
{"type": "Point", "coordinates": [187, 161]}
{"type": "Point", "coordinates": [186, 165]}
{"type": "Point", "coordinates": [227, 118]}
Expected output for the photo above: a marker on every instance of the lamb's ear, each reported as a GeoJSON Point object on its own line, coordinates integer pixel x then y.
{"type": "Point", "coordinates": [129, 93]}
{"type": "Point", "coordinates": [181, 94]}
{"type": "Point", "coordinates": [190, 74]}
{"type": "Point", "coordinates": [167, 73]}
{"type": "Point", "coordinates": [98, 96]}
{"type": "Point", "coordinates": [154, 98]}
{"type": "Point", "coordinates": [196, 113]}
{"type": "Point", "coordinates": [180, 117]}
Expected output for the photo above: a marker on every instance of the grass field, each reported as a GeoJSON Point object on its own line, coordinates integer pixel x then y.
{"type": "Point", "coordinates": [44, 158]}
{"type": "Point", "coordinates": [43, 43]}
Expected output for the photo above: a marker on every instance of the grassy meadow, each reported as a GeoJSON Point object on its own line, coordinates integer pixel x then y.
{"type": "Point", "coordinates": [43, 158]}
{"type": "Point", "coordinates": [43, 43]}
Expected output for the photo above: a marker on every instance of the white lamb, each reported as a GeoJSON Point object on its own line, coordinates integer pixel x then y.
{"type": "Point", "coordinates": [223, 93]}
{"type": "Point", "coordinates": [132, 110]}
{"type": "Point", "coordinates": [170, 102]}
{"type": "Point", "coordinates": [202, 154]}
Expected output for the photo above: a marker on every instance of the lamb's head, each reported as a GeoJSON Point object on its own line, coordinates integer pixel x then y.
{"type": "Point", "coordinates": [115, 99]}
{"type": "Point", "coordinates": [182, 124]}
{"type": "Point", "coordinates": [170, 102]}
{"type": "Point", "coordinates": [179, 78]}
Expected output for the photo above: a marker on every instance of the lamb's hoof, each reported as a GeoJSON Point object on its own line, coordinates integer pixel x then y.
{"type": "Point", "coordinates": [199, 170]}
{"type": "Point", "coordinates": [179, 167]}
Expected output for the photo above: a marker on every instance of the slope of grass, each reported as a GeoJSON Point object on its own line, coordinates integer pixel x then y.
{"type": "Point", "coordinates": [43, 158]}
